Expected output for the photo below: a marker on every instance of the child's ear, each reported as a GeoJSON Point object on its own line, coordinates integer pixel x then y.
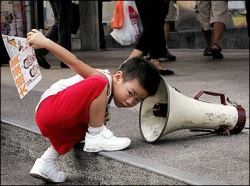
{"type": "Point", "coordinates": [117, 76]}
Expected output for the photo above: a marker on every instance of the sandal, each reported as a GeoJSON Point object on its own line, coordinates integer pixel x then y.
{"type": "Point", "coordinates": [208, 52]}
{"type": "Point", "coordinates": [217, 52]}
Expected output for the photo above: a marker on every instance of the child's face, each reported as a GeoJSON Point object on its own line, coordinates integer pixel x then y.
{"type": "Point", "coordinates": [127, 94]}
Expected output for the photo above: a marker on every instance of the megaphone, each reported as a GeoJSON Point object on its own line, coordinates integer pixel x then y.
{"type": "Point", "coordinates": [169, 111]}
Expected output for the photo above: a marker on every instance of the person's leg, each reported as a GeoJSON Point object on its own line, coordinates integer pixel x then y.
{"type": "Point", "coordinates": [208, 34]}
{"type": "Point", "coordinates": [141, 47]}
{"type": "Point", "coordinates": [171, 16]}
{"type": "Point", "coordinates": [152, 39]}
{"type": "Point", "coordinates": [99, 137]}
{"type": "Point", "coordinates": [219, 16]}
{"type": "Point", "coordinates": [45, 167]}
{"type": "Point", "coordinates": [64, 10]}
{"type": "Point", "coordinates": [4, 54]}
{"type": "Point", "coordinates": [70, 117]}
{"type": "Point", "coordinates": [139, 52]}
{"type": "Point", "coordinates": [247, 3]}
{"type": "Point", "coordinates": [135, 53]}
{"type": "Point", "coordinates": [154, 28]}
{"type": "Point", "coordinates": [51, 34]}
{"type": "Point", "coordinates": [166, 30]}
{"type": "Point", "coordinates": [218, 20]}
{"type": "Point", "coordinates": [204, 9]}
{"type": "Point", "coordinates": [218, 29]}
{"type": "Point", "coordinates": [158, 30]}
{"type": "Point", "coordinates": [63, 111]}
{"type": "Point", "coordinates": [101, 30]}
{"type": "Point", "coordinates": [168, 56]}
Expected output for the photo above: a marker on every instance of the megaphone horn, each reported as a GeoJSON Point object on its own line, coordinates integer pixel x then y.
{"type": "Point", "coordinates": [169, 111]}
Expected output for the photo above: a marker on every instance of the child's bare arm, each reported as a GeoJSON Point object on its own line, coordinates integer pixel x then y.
{"type": "Point", "coordinates": [38, 40]}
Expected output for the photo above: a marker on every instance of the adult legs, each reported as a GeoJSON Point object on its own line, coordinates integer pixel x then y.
{"type": "Point", "coordinates": [247, 3]}
{"type": "Point", "coordinates": [168, 56]}
{"type": "Point", "coordinates": [208, 34]}
{"type": "Point", "coordinates": [152, 39]}
{"type": "Point", "coordinates": [166, 30]}
{"type": "Point", "coordinates": [64, 10]}
{"type": "Point", "coordinates": [51, 34]}
{"type": "Point", "coordinates": [171, 16]}
{"type": "Point", "coordinates": [219, 15]}
{"type": "Point", "coordinates": [218, 29]}
{"type": "Point", "coordinates": [101, 30]}
{"type": "Point", "coordinates": [204, 8]}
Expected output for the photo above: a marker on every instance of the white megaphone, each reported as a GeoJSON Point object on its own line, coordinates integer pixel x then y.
{"type": "Point", "coordinates": [169, 111]}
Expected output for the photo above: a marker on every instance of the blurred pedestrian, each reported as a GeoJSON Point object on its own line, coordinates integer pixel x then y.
{"type": "Point", "coordinates": [213, 16]}
{"type": "Point", "coordinates": [101, 29]}
{"type": "Point", "coordinates": [170, 18]}
{"type": "Point", "coordinates": [247, 4]}
{"type": "Point", "coordinates": [4, 54]}
{"type": "Point", "coordinates": [59, 32]}
{"type": "Point", "coordinates": [152, 39]}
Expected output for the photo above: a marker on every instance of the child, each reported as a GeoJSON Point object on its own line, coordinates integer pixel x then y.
{"type": "Point", "coordinates": [73, 106]}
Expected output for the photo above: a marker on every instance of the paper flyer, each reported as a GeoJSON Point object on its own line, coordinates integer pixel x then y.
{"type": "Point", "coordinates": [25, 70]}
{"type": "Point", "coordinates": [14, 44]}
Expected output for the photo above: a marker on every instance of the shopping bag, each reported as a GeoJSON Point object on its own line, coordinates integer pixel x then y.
{"type": "Point", "coordinates": [132, 27]}
{"type": "Point", "coordinates": [75, 22]}
{"type": "Point", "coordinates": [117, 20]}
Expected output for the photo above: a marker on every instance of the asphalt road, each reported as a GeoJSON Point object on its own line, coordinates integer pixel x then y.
{"type": "Point", "coordinates": [213, 156]}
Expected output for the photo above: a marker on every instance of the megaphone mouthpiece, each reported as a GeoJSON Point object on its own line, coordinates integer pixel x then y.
{"type": "Point", "coordinates": [160, 110]}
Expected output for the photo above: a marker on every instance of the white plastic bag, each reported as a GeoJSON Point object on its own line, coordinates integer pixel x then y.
{"type": "Point", "coordinates": [131, 29]}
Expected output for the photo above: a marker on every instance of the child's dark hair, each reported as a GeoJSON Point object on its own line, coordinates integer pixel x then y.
{"type": "Point", "coordinates": [143, 70]}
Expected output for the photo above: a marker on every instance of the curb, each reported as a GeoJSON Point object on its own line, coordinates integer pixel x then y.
{"type": "Point", "coordinates": [123, 157]}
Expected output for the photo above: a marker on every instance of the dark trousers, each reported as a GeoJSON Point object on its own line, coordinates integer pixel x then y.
{"type": "Point", "coordinates": [60, 32]}
{"type": "Point", "coordinates": [101, 29]}
{"type": "Point", "coordinates": [4, 54]}
{"type": "Point", "coordinates": [248, 16]}
{"type": "Point", "coordinates": [152, 39]}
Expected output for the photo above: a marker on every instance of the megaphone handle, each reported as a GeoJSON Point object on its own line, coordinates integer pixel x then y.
{"type": "Point", "coordinates": [222, 96]}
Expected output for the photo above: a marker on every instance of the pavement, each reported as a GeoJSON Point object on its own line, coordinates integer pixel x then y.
{"type": "Point", "coordinates": [192, 158]}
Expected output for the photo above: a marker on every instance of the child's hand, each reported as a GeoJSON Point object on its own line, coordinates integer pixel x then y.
{"type": "Point", "coordinates": [36, 39]}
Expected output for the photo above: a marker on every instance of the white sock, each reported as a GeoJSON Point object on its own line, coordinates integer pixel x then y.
{"type": "Point", "coordinates": [50, 155]}
{"type": "Point", "coordinates": [95, 130]}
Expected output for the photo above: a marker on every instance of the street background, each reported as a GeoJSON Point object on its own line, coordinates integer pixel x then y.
{"type": "Point", "coordinates": [216, 158]}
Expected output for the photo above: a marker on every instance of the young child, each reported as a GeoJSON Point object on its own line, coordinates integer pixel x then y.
{"type": "Point", "coordinates": [73, 109]}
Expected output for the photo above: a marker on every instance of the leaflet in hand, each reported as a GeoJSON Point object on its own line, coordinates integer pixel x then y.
{"type": "Point", "coordinates": [25, 70]}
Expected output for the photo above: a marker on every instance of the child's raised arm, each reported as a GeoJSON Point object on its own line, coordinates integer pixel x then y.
{"type": "Point", "coordinates": [38, 40]}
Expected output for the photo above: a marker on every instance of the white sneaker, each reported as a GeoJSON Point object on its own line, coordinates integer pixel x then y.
{"type": "Point", "coordinates": [47, 172]}
{"type": "Point", "coordinates": [105, 141]}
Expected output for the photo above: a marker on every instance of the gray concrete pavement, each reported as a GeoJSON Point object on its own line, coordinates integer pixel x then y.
{"type": "Point", "coordinates": [203, 156]}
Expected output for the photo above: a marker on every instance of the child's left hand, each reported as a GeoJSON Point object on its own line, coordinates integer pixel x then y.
{"type": "Point", "coordinates": [36, 39]}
